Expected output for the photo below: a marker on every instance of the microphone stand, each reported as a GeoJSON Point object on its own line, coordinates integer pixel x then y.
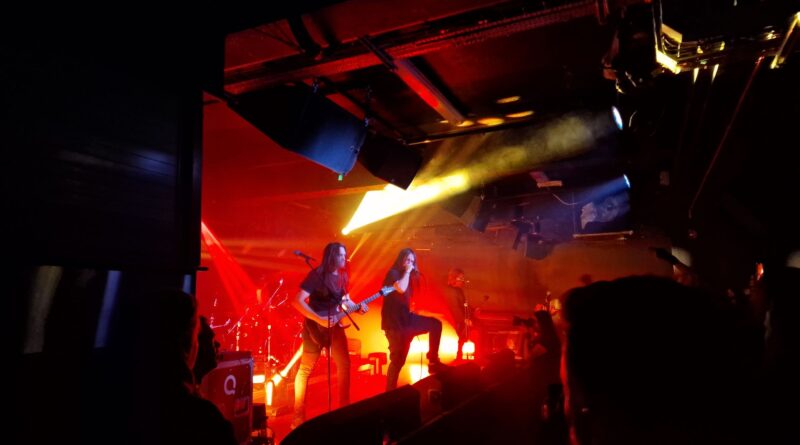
{"type": "Point", "coordinates": [330, 355]}
{"type": "Point", "coordinates": [238, 326]}
{"type": "Point", "coordinates": [269, 325]}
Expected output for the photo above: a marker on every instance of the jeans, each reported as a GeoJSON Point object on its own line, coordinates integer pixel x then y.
{"type": "Point", "coordinates": [337, 351]}
{"type": "Point", "coordinates": [400, 341]}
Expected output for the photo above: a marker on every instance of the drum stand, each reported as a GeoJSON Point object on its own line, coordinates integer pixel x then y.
{"type": "Point", "coordinates": [272, 362]}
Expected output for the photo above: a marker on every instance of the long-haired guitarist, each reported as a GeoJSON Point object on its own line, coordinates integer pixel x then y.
{"type": "Point", "coordinates": [321, 294]}
{"type": "Point", "coordinates": [457, 304]}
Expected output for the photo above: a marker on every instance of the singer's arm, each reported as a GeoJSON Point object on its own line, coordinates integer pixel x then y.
{"type": "Point", "coordinates": [401, 285]}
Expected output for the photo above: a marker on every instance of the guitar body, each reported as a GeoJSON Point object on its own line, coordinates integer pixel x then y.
{"type": "Point", "coordinates": [321, 334]}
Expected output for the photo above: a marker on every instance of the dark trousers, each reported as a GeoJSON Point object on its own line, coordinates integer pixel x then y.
{"type": "Point", "coordinates": [400, 341]}
{"type": "Point", "coordinates": [461, 330]}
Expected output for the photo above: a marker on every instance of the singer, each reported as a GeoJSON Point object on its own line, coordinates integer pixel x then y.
{"type": "Point", "coordinates": [400, 324]}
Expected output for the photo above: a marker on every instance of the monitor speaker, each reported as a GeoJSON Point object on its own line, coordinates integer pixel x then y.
{"type": "Point", "coordinates": [392, 414]}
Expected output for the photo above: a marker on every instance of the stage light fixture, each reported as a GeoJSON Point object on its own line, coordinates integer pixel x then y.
{"type": "Point", "coordinates": [617, 118]}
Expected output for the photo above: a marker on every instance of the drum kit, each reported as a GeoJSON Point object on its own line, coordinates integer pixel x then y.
{"type": "Point", "coordinates": [270, 330]}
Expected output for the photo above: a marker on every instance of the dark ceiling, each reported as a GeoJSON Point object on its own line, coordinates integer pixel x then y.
{"type": "Point", "coordinates": [556, 57]}
{"type": "Point", "coordinates": [704, 148]}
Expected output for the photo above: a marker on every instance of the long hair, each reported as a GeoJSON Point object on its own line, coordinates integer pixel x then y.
{"type": "Point", "coordinates": [398, 265]}
{"type": "Point", "coordinates": [329, 266]}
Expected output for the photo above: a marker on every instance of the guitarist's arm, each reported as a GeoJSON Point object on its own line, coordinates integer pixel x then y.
{"type": "Point", "coordinates": [302, 306]}
{"type": "Point", "coordinates": [352, 306]}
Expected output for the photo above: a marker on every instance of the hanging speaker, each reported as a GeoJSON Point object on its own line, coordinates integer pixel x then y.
{"type": "Point", "coordinates": [305, 122]}
{"type": "Point", "coordinates": [390, 160]}
{"type": "Point", "coordinates": [471, 209]}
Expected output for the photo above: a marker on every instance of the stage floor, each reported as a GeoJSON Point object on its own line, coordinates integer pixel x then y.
{"type": "Point", "coordinates": [279, 416]}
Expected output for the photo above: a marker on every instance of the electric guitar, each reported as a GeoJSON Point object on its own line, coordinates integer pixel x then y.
{"type": "Point", "coordinates": [320, 333]}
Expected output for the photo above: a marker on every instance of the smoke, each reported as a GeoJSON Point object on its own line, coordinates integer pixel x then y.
{"type": "Point", "coordinates": [464, 162]}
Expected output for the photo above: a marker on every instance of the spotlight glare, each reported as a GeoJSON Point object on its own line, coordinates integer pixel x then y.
{"type": "Point", "coordinates": [521, 114]}
{"type": "Point", "coordinates": [617, 117]}
{"type": "Point", "coordinates": [564, 137]}
{"type": "Point", "coordinates": [491, 121]}
{"type": "Point", "coordinates": [627, 181]}
{"type": "Point", "coordinates": [508, 100]}
{"type": "Point", "coordinates": [269, 389]}
{"type": "Point", "coordinates": [378, 205]}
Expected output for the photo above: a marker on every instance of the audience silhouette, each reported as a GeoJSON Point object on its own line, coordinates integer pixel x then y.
{"type": "Point", "coordinates": [648, 360]}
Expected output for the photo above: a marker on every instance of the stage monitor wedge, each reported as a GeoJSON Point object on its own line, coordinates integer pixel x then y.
{"type": "Point", "coordinates": [305, 122]}
{"type": "Point", "coordinates": [391, 415]}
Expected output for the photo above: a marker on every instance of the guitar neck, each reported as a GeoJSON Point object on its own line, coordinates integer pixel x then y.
{"type": "Point", "coordinates": [368, 300]}
{"type": "Point", "coordinates": [371, 298]}
{"type": "Point", "coordinates": [340, 310]}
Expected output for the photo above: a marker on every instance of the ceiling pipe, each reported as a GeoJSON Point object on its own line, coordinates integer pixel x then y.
{"type": "Point", "coordinates": [436, 36]}
{"type": "Point", "coordinates": [725, 135]}
{"type": "Point", "coordinates": [419, 83]}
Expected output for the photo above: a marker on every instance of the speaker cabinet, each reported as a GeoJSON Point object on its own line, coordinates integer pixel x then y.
{"type": "Point", "coordinates": [230, 387]}
{"type": "Point", "coordinates": [393, 414]}
{"type": "Point", "coordinates": [390, 160]}
{"type": "Point", "coordinates": [305, 122]}
{"type": "Point", "coordinates": [473, 211]}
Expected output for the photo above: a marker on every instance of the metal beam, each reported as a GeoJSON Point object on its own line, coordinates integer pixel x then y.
{"type": "Point", "coordinates": [446, 33]}
{"type": "Point", "coordinates": [418, 82]}
{"type": "Point", "coordinates": [316, 194]}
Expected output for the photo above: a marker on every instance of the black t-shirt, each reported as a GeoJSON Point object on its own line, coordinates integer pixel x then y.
{"type": "Point", "coordinates": [320, 292]}
{"type": "Point", "coordinates": [396, 311]}
{"type": "Point", "coordinates": [455, 302]}
{"type": "Point", "coordinates": [194, 420]}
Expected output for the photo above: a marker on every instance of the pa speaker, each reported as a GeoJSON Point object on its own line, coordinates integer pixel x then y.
{"type": "Point", "coordinates": [393, 414]}
{"type": "Point", "coordinates": [536, 248]}
{"type": "Point", "coordinates": [473, 211]}
{"type": "Point", "coordinates": [305, 122]}
{"type": "Point", "coordinates": [390, 160]}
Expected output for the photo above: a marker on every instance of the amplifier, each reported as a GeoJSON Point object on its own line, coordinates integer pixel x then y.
{"type": "Point", "coordinates": [230, 387]}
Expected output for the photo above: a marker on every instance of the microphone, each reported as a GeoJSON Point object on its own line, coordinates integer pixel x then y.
{"type": "Point", "coordinates": [302, 255]}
